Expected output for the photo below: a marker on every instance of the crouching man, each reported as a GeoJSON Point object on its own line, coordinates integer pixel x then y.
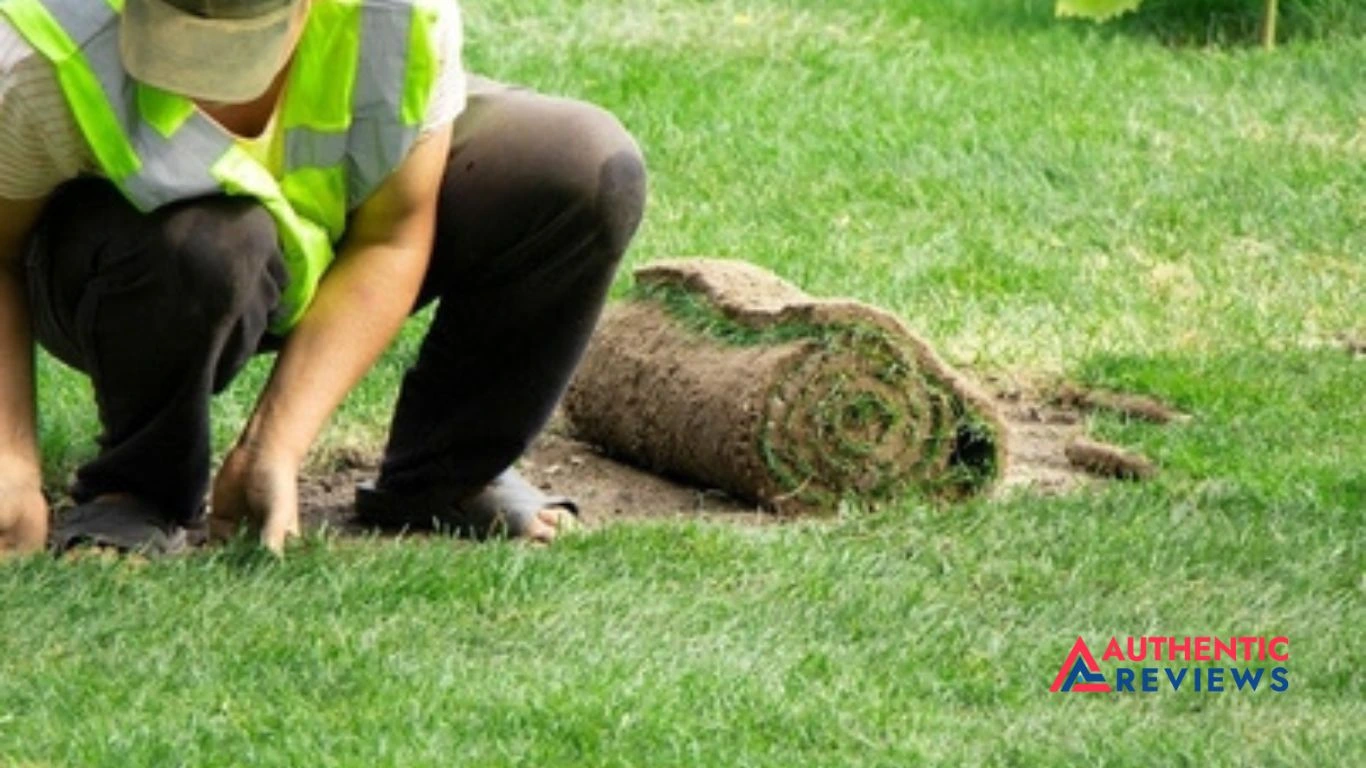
{"type": "Point", "coordinates": [186, 183]}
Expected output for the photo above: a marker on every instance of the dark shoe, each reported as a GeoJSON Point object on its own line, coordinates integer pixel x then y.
{"type": "Point", "coordinates": [126, 525]}
{"type": "Point", "coordinates": [506, 507]}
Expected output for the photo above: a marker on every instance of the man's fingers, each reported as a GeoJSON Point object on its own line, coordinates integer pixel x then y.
{"type": "Point", "coordinates": [258, 498]}
{"type": "Point", "coordinates": [26, 535]}
{"type": "Point", "coordinates": [278, 530]}
{"type": "Point", "coordinates": [273, 535]}
{"type": "Point", "coordinates": [273, 542]}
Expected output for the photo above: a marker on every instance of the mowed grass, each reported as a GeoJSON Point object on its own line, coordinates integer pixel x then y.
{"type": "Point", "coordinates": [1040, 199]}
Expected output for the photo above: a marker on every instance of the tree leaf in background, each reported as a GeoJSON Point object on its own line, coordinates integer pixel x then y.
{"type": "Point", "coordinates": [1098, 10]}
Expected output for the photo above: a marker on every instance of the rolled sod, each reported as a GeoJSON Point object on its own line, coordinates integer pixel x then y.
{"type": "Point", "coordinates": [724, 374]}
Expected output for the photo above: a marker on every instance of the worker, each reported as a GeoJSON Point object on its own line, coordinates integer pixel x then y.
{"type": "Point", "coordinates": [185, 184]}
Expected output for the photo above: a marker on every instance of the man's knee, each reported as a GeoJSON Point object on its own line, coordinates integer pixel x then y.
{"type": "Point", "coordinates": [221, 256]}
{"type": "Point", "coordinates": [608, 174]}
{"type": "Point", "coordinates": [586, 161]}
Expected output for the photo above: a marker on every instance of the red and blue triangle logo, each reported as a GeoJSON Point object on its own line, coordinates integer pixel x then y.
{"type": "Point", "coordinates": [1080, 673]}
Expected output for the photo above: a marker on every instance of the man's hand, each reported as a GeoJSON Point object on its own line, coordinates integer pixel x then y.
{"type": "Point", "coordinates": [23, 517]}
{"type": "Point", "coordinates": [257, 493]}
{"type": "Point", "coordinates": [360, 305]}
{"type": "Point", "coordinates": [23, 511]}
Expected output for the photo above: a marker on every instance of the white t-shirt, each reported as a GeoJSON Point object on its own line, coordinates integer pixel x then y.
{"type": "Point", "coordinates": [41, 146]}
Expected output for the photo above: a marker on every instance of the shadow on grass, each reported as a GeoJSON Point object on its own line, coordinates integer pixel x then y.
{"type": "Point", "coordinates": [1239, 22]}
{"type": "Point", "coordinates": [1182, 23]}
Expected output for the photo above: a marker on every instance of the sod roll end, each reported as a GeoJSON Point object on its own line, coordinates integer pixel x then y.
{"type": "Point", "coordinates": [722, 373]}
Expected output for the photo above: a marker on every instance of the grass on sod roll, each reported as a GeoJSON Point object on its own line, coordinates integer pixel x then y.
{"type": "Point", "coordinates": [1038, 198]}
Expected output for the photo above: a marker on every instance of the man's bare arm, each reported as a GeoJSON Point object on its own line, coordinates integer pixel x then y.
{"type": "Point", "coordinates": [23, 511]}
{"type": "Point", "coordinates": [359, 307]}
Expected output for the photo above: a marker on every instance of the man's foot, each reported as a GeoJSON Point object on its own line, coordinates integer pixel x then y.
{"type": "Point", "coordinates": [118, 523]}
{"type": "Point", "coordinates": [508, 507]}
{"type": "Point", "coordinates": [548, 524]}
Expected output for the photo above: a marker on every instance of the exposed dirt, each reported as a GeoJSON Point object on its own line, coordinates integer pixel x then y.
{"type": "Point", "coordinates": [605, 490]}
{"type": "Point", "coordinates": [1040, 430]}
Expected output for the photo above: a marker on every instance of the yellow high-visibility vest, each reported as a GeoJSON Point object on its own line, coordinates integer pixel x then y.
{"type": "Point", "coordinates": [357, 94]}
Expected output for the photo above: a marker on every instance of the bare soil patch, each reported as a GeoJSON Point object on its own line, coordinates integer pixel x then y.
{"type": "Point", "coordinates": [1039, 428]}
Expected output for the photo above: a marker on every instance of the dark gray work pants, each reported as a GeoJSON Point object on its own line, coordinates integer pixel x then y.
{"type": "Point", "coordinates": [540, 199]}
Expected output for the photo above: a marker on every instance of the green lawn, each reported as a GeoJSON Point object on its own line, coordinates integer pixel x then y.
{"type": "Point", "coordinates": [1039, 198]}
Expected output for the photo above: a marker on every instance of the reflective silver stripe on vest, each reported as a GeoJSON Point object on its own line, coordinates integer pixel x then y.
{"type": "Point", "coordinates": [78, 19]}
{"type": "Point", "coordinates": [378, 140]}
{"type": "Point", "coordinates": [311, 148]}
{"type": "Point", "coordinates": [172, 169]}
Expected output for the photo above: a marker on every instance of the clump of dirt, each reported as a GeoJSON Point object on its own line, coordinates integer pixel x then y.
{"type": "Point", "coordinates": [1133, 406]}
{"type": "Point", "coordinates": [1108, 460]}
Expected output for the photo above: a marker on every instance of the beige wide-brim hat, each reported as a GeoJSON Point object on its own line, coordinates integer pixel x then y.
{"type": "Point", "coordinates": [226, 51]}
